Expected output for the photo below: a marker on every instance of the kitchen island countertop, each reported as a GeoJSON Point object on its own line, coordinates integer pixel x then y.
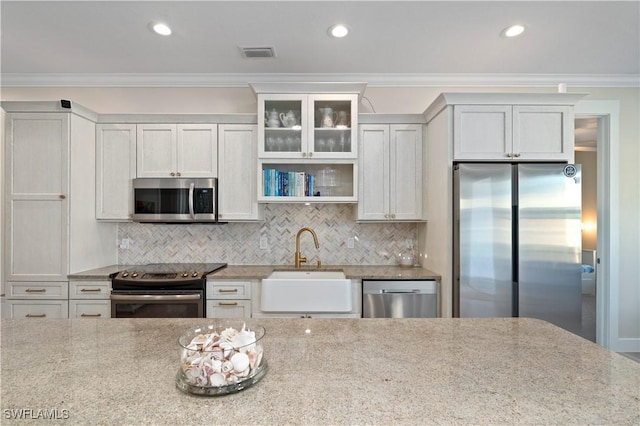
{"type": "Point", "coordinates": [322, 371]}
{"type": "Point", "coordinates": [263, 271]}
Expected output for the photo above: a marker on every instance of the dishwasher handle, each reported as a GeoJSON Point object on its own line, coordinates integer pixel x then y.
{"type": "Point", "coordinates": [397, 291]}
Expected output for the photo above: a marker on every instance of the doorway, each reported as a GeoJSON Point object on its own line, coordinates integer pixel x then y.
{"type": "Point", "coordinates": [607, 236]}
{"type": "Point", "coordinates": [586, 154]}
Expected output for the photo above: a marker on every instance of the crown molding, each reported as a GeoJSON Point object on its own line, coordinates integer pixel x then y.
{"type": "Point", "coordinates": [372, 80]}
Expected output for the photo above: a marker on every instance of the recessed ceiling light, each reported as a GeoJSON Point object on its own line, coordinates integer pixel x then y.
{"type": "Point", "coordinates": [338, 30]}
{"type": "Point", "coordinates": [162, 29]}
{"type": "Point", "coordinates": [513, 30]}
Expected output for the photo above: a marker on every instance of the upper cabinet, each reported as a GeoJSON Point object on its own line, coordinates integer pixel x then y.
{"type": "Point", "coordinates": [509, 126]}
{"type": "Point", "coordinates": [301, 126]}
{"type": "Point", "coordinates": [115, 168]}
{"type": "Point", "coordinates": [237, 173]}
{"type": "Point", "coordinates": [391, 157]}
{"type": "Point", "coordinates": [506, 132]}
{"type": "Point", "coordinates": [177, 150]}
{"type": "Point", "coordinates": [307, 142]}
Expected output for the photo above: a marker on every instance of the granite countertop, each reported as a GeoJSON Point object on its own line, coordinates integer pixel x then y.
{"type": "Point", "coordinates": [263, 271]}
{"type": "Point", "coordinates": [321, 372]}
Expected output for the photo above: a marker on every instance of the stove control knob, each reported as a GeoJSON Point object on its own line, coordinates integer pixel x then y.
{"type": "Point", "coordinates": [195, 274]}
{"type": "Point", "coordinates": [134, 275]}
{"type": "Point", "coordinates": [185, 275]}
{"type": "Point", "coordinates": [125, 274]}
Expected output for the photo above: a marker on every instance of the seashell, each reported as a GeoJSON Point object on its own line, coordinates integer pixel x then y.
{"type": "Point", "coordinates": [244, 340]}
{"type": "Point", "coordinates": [227, 366]}
{"type": "Point", "coordinates": [228, 334]}
{"type": "Point", "coordinates": [244, 373]}
{"type": "Point", "coordinates": [240, 362]}
{"type": "Point", "coordinates": [217, 379]}
{"type": "Point", "coordinates": [199, 339]}
{"type": "Point", "coordinates": [216, 364]}
{"type": "Point", "coordinates": [227, 348]}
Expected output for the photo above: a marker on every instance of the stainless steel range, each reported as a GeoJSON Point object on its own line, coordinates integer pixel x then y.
{"type": "Point", "coordinates": [163, 290]}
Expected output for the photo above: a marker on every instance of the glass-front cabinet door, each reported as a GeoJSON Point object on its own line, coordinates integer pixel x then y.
{"type": "Point", "coordinates": [282, 124]}
{"type": "Point", "coordinates": [335, 121]}
{"type": "Point", "coordinates": [307, 126]}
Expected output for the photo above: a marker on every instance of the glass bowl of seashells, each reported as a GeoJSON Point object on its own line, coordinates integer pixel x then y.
{"type": "Point", "coordinates": [221, 358]}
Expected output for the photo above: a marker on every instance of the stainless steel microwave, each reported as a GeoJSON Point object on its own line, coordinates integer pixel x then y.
{"type": "Point", "coordinates": [175, 200]}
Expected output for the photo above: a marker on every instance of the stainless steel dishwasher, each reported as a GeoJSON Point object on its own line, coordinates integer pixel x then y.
{"type": "Point", "coordinates": [400, 299]}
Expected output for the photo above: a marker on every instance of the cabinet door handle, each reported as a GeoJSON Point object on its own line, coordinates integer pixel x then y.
{"type": "Point", "coordinates": [90, 290]}
{"type": "Point", "coordinates": [90, 315]}
{"type": "Point", "coordinates": [35, 315]}
{"type": "Point", "coordinates": [36, 290]}
{"type": "Point", "coordinates": [227, 303]}
{"type": "Point", "coordinates": [228, 290]}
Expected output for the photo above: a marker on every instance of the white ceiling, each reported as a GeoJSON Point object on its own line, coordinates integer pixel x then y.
{"type": "Point", "coordinates": [392, 42]}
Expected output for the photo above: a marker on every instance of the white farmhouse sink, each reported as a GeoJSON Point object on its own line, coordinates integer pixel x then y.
{"type": "Point", "coordinates": [306, 291]}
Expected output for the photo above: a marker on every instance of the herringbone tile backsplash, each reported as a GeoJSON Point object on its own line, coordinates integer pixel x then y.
{"type": "Point", "coordinates": [239, 243]}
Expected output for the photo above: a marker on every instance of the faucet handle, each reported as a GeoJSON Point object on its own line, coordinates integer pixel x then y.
{"type": "Point", "coordinates": [318, 264]}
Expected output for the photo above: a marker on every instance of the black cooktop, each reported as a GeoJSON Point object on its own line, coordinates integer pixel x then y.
{"type": "Point", "coordinates": [164, 275]}
{"type": "Point", "coordinates": [202, 268]}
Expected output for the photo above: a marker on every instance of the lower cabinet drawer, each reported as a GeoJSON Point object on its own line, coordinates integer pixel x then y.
{"type": "Point", "coordinates": [89, 309]}
{"type": "Point", "coordinates": [45, 309]}
{"type": "Point", "coordinates": [89, 289]}
{"type": "Point", "coordinates": [38, 290]}
{"type": "Point", "coordinates": [228, 308]}
{"type": "Point", "coordinates": [228, 289]}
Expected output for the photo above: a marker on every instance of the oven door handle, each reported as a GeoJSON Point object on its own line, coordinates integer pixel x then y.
{"type": "Point", "coordinates": [192, 187]}
{"type": "Point", "coordinates": [159, 297]}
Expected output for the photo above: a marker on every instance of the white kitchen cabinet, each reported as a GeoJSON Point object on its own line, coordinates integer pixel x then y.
{"type": "Point", "coordinates": [390, 172]}
{"type": "Point", "coordinates": [96, 309]}
{"type": "Point", "coordinates": [513, 132]}
{"type": "Point", "coordinates": [50, 225]}
{"type": "Point", "coordinates": [228, 298]}
{"type": "Point", "coordinates": [307, 125]}
{"type": "Point", "coordinates": [307, 147]}
{"type": "Point", "coordinates": [237, 170]}
{"type": "Point", "coordinates": [290, 181]}
{"type": "Point", "coordinates": [177, 150]}
{"type": "Point", "coordinates": [115, 169]}
{"type": "Point", "coordinates": [37, 309]}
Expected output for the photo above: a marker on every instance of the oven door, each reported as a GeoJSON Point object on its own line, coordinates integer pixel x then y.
{"type": "Point", "coordinates": [157, 304]}
{"type": "Point", "coordinates": [175, 200]}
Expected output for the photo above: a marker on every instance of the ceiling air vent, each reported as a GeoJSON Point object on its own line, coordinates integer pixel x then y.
{"type": "Point", "coordinates": [258, 52]}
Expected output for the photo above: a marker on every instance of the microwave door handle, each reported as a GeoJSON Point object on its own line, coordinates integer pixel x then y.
{"type": "Point", "coordinates": [191, 191]}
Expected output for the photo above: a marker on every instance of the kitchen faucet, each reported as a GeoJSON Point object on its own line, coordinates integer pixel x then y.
{"type": "Point", "coordinates": [299, 258]}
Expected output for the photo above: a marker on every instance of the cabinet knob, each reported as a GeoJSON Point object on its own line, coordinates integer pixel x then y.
{"type": "Point", "coordinates": [62, 196]}
{"type": "Point", "coordinates": [393, 216]}
{"type": "Point", "coordinates": [172, 174]}
{"type": "Point", "coordinates": [304, 154]}
{"type": "Point", "coordinates": [516, 155]}
{"type": "Point", "coordinates": [509, 155]}
{"type": "Point", "coordinates": [178, 174]}
{"type": "Point", "coordinates": [311, 154]}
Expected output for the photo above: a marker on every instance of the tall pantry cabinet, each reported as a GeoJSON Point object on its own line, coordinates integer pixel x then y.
{"type": "Point", "coordinates": [50, 229]}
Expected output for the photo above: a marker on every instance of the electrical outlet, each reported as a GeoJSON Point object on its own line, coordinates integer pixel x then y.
{"type": "Point", "coordinates": [264, 244]}
{"type": "Point", "coordinates": [350, 242]}
{"type": "Point", "coordinates": [124, 244]}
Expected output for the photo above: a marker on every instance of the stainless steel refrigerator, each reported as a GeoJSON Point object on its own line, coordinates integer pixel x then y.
{"type": "Point", "coordinates": [517, 242]}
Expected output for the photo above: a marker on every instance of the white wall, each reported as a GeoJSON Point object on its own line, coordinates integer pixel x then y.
{"type": "Point", "coordinates": [401, 100]}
